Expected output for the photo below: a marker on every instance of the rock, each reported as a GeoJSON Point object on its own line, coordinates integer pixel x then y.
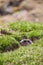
{"type": "Point", "coordinates": [25, 5]}
{"type": "Point", "coordinates": [26, 42]}
{"type": "Point", "coordinates": [21, 15]}
{"type": "Point", "coordinates": [6, 6]}
{"type": "Point", "coordinates": [14, 2]}
{"type": "Point", "coordinates": [33, 10]}
{"type": "Point", "coordinates": [39, 1]}
{"type": "Point", "coordinates": [8, 10]}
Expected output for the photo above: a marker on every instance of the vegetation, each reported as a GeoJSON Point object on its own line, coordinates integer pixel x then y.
{"type": "Point", "coordinates": [27, 29]}
{"type": "Point", "coordinates": [24, 55]}
{"type": "Point", "coordinates": [26, 26]}
{"type": "Point", "coordinates": [30, 55]}
{"type": "Point", "coordinates": [8, 43]}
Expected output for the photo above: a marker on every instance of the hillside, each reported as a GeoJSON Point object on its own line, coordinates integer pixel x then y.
{"type": "Point", "coordinates": [15, 51]}
{"type": "Point", "coordinates": [21, 32]}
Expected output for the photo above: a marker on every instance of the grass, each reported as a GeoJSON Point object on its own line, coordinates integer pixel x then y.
{"type": "Point", "coordinates": [24, 55]}
{"type": "Point", "coordinates": [27, 30]}
{"type": "Point", "coordinates": [30, 55]}
{"type": "Point", "coordinates": [26, 26]}
{"type": "Point", "coordinates": [8, 43]}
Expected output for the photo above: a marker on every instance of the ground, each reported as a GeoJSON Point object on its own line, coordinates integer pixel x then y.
{"type": "Point", "coordinates": [31, 10]}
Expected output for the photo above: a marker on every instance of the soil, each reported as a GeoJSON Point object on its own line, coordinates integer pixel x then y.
{"type": "Point", "coordinates": [30, 10]}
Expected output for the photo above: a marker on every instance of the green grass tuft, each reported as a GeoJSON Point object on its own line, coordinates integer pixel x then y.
{"type": "Point", "coordinates": [7, 43]}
